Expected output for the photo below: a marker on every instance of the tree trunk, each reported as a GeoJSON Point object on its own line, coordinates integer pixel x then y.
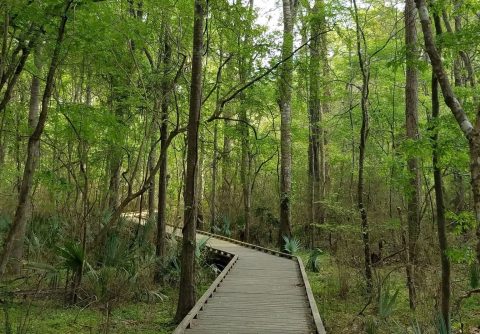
{"type": "Point", "coordinates": [472, 133]}
{"type": "Point", "coordinates": [115, 162]}
{"type": "Point", "coordinates": [163, 171]}
{"type": "Point", "coordinates": [225, 190]}
{"type": "Point", "coordinates": [315, 118]}
{"type": "Point", "coordinates": [245, 171]}
{"type": "Point", "coordinates": [245, 164]}
{"type": "Point", "coordinates": [151, 189]}
{"type": "Point", "coordinates": [285, 101]}
{"type": "Point", "coordinates": [186, 299]}
{"type": "Point", "coordinates": [33, 113]}
{"type": "Point", "coordinates": [441, 223]}
{"type": "Point", "coordinates": [411, 124]}
{"type": "Point", "coordinates": [200, 184]}
{"type": "Point", "coordinates": [364, 68]}
{"type": "Point", "coordinates": [213, 195]}
{"type": "Point", "coordinates": [19, 220]}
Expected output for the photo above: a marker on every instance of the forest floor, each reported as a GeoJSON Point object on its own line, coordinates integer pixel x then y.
{"type": "Point", "coordinates": [340, 295]}
{"type": "Point", "coordinates": [52, 317]}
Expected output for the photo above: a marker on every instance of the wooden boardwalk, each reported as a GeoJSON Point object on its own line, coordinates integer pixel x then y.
{"type": "Point", "coordinates": [261, 292]}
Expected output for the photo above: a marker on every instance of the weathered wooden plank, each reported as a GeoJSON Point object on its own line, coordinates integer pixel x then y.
{"type": "Point", "coordinates": [185, 323]}
{"type": "Point", "coordinates": [265, 292]}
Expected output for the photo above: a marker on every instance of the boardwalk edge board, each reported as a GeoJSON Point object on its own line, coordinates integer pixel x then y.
{"type": "Point", "coordinates": [186, 322]}
{"type": "Point", "coordinates": [311, 299]}
{"type": "Point", "coordinates": [242, 243]}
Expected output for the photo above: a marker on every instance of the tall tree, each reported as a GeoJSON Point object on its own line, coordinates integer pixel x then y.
{"type": "Point", "coordinates": [411, 122]}
{"type": "Point", "coordinates": [163, 171]}
{"type": "Point", "coordinates": [33, 113]}
{"type": "Point", "coordinates": [471, 132]}
{"type": "Point", "coordinates": [439, 198]}
{"type": "Point", "coordinates": [186, 298]}
{"type": "Point", "coordinates": [285, 104]}
{"type": "Point", "coordinates": [364, 65]}
{"type": "Point", "coordinates": [244, 64]}
{"type": "Point", "coordinates": [316, 172]}
{"type": "Point", "coordinates": [20, 219]}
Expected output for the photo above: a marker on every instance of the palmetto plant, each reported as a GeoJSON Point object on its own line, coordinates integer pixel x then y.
{"type": "Point", "coordinates": [292, 245]}
{"type": "Point", "coordinates": [441, 325]}
{"type": "Point", "coordinates": [72, 256]}
{"type": "Point", "coordinates": [387, 298]}
{"type": "Point", "coordinates": [313, 260]}
{"type": "Point", "coordinates": [200, 247]}
{"type": "Point", "coordinates": [73, 259]}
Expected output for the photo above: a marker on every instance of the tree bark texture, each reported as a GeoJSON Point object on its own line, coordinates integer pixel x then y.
{"type": "Point", "coordinates": [411, 124]}
{"type": "Point", "coordinates": [285, 104]}
{"type": "Point", "coordinates": [186, 299]}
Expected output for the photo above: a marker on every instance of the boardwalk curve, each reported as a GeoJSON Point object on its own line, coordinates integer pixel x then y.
{"type": "Point", "coordinates": [260, 291]}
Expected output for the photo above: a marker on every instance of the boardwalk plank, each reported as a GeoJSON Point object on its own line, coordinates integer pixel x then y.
{"type": "Point", "coordinates": [263, 293]}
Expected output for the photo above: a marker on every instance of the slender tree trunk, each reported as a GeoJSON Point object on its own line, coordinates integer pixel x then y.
{"type": "Point", "coordinates": [285, 104]}
{"type": "Point", "coordinates": [115, 163]}
{"type": "Point", "coordinates": [365, 71]}
{"type": "Point", "coordinates": [245, 164]}
{"type": "Point", "coordinates": [441, 223]}
{"type": "Point", "coordinates": [472, 133]}
{"type": "Point", "coordinates": [186, 299]}
{"type": "Point", "coordinates": [245, 172]}
{"type": "Point", "coordinates": [325, 109]}
{"type": "Point", "coordinates": [200, 184]}
{"type": "Point", "coordinates": [151, 189]}
{"type": "Point", "coordinates": [33, 113]}
{"type": "Point", "coordinates": [33, 150]}
{"type": "Point", "coordinates": [213, 199]}
{"type": "Point", "coordinates": [225, 190]}
{"type": "Point", "coordinates": [438, 184]}
{"type": "Point", "coordinates": [315, 117]}
{"type": "Point", "coordinates": [213, 195]}
{"type": "Point", "coordinates": [411, 122]}
{"type": "Point", "coordinates": [163, 171]}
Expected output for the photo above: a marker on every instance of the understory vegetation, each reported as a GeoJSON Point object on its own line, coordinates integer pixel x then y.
{"type": "Point", "coordinates": [345, 132]}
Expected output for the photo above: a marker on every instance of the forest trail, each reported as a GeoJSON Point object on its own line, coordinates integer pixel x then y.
{"type": "Point", "coordinates": [262, 293]}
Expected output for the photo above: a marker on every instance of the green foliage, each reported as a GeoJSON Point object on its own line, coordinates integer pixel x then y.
{"type": "Point", "coordinates": [387, 299]}
{"type": "Point", "coordinates": [416, 327]}
{"type": "Point", "coordinates": [224, 229]}
{"type": "Point", "coordinates": [72, 256]}
{"type": "Point", "coordinates": [5, 222]}
{"type": "Point", "coordinates": [461, 254]}
{"type": "Point", "coordinates": [462, 222]}
{"type": "Point", "coordinates": [441, 324]}
{"type": "Point", "coordinates": [474, 277]}
{"type": "Point", "coordinates": [313, 263]}
{"type": "Point", "coordinates": [291, 245]}
{"type": "Point", "coordinates": [200, 247]}
{"type": "Point", "coordinates": [116, 251]}
{"type": "Point", "coordinates": [371, 326]}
